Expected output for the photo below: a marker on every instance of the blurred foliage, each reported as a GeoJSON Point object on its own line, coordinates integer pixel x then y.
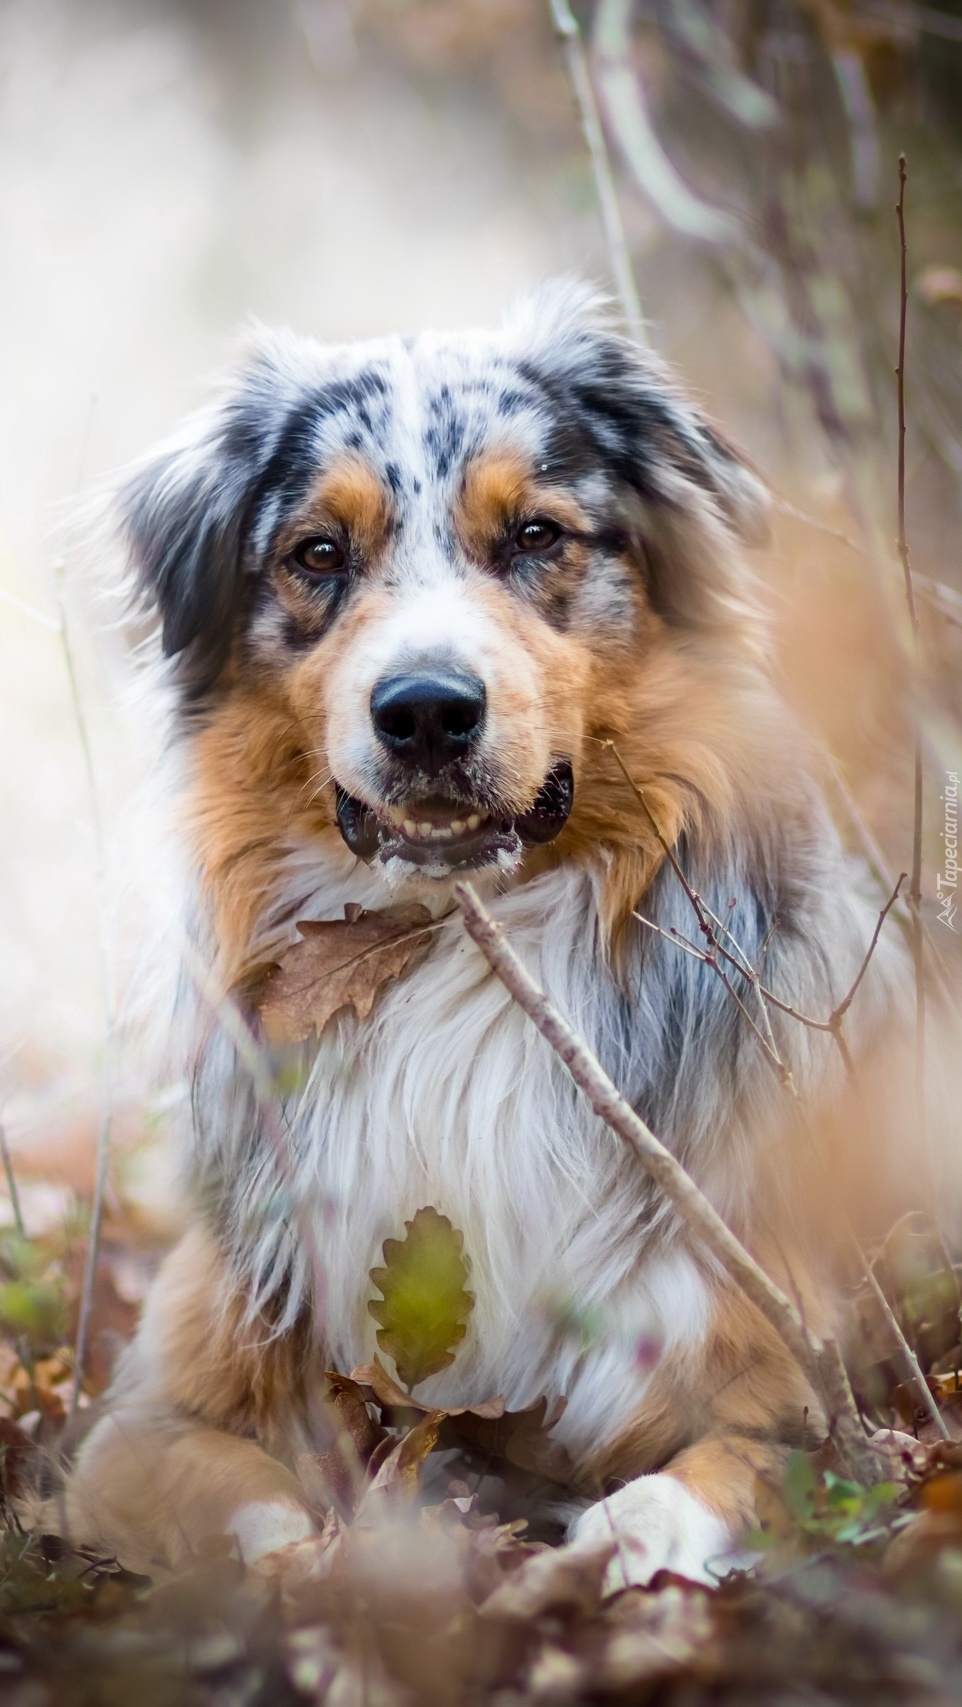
{"type": "Point", "coordinates": [756, 143]}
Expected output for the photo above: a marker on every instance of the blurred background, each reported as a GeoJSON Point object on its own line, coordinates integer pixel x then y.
{"type": "Point", "coordinates": [171, 168]}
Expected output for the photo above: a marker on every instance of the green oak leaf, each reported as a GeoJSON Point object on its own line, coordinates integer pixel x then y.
{"type": "Point", "coordinates": [424, 1305]}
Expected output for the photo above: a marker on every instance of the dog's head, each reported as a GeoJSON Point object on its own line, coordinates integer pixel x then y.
{"type": "Point", "coordinates": [430, 577]}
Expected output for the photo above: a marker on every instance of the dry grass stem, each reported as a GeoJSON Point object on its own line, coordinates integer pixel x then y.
{"type": "Point", "coordinates": [915, 888]}
{"type": "Point", "coordinates": [914, 1367]}
{"type": "Point", "coordinates": [713, 929]}
{"type": "Point", "coordinates": [820, 1359]}
{"type": "Point", "coordinates": [576, 63]}
{"type": "Point", "coordinates": [107, 993]}
{"type": "Point", "coordinates": [11, 1183]}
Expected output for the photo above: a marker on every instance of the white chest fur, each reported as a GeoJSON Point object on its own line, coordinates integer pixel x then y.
{"type": "Point", "coordinates": [447, 1096]}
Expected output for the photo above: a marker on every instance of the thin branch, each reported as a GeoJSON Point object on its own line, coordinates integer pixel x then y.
{"type": "Point", "coordinates": [945, 599]}
{"type": "Point", "coordinates": [710, 926]}
{"type": "Point", "coordinates": [892, 1322]}
{"type": "Point", "coordinates": [915, 889]}
{"type": "Point", "coordinates": [833, 1026]}
{"type": "Point", "coordinates": [672, 936]}
{"type": "Point", "coordinates": [576, 63]}
{"type": "Point", "coordinates": [714, 948]}
{"type": "Point", "coordinates": [11, 1183]}
{"type": "Point", "coordinates": [103, 1139]}
{"type": "Point", "coordinates": [838, 1014]}
{"type": "Point", "coordinates": [31, 611]}
{"type": "Point", "coordinates": [876, 862]}
{"type": "Point", "coordinates": [820, 1359]}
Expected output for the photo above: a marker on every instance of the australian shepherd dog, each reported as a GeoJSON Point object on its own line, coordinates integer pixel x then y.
{"type": "Point", "coordinates": [423, 602]}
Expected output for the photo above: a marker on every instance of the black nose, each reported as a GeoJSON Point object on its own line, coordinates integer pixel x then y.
{"type": "Point", "coordinates": [428, 719]}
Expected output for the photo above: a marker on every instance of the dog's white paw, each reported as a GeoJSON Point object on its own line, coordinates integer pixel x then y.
{"type": "Point", "coordinates": [656, 1524]}
{"type": "Point", "coordinates": [265, 1526]}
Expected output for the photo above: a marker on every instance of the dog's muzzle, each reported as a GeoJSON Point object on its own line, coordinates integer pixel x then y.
{"type": "Point", "coordinates": [441, 835]}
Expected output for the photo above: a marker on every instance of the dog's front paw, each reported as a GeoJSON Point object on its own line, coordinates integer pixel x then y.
{"type": "Point", "coordinates": [262, 1527]}
{"type": "Point", "coordinates": [656, 1525]}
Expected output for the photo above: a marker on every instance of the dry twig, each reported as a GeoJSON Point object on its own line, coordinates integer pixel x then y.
{"type": "Point", "coordinates": [576, 62]}
{"type": "Point", "coordinates": [711, 927]}
{"type": "Point", "coordinates": [713, 930]}
{"type": "Point", "coordinates": [11, 1183]}
{"type": "Point", "coordinates": [915, 888]}
{"type": "Point", "coordinates": [820, 1359]}
{"type": "Point", "coordinates": [103, 1139]}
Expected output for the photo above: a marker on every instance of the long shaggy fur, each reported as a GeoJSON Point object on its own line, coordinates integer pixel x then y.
{"type": "Point", "coordinates": [642, 627]}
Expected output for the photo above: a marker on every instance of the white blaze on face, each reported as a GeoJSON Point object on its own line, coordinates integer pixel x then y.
{"type": "Point", "coordinates": [441, 623]}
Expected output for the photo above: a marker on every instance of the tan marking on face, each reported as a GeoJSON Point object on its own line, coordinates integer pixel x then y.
{"type": "Point", "coordinates": [698, 733]}
{"type": "Point", "coordinates": [500, 487]}
{"type": "Point", "coordinates": [348, 496]}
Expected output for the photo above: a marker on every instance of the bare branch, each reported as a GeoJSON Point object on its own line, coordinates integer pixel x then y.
{"type": "Point", "coordinates": [838, 1014]}
{"type": "Point", "coordinates": [576, 62]}
{"type": "Point", "coordinates": [11, 1183]}
{"type": "Point", "coordinates": [712, 928]}
{"type": "Point", "coordinates": [892, 1322]}
{"type": "Point", "coordinates": [103, 1139]}
{"type": "Point", "coordinates": [915, 888]}
{"type": "Point", "coordinates": [820, 1359]}
{"type": "Point", "coordinates": [707, 925]}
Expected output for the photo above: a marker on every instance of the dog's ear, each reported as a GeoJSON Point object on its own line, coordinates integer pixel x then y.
{"type": "Point", "coordinates": [624, 403]}
{"type": "Point", "coordinates": [187, 510]}
{"type": "Point", "coordinates": [183, 512]}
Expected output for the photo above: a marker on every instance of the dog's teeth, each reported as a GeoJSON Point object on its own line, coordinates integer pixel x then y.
{"type": "Point", "coordinates": [441, 833]}
{"type": "Point", "coordinates": [410, 828]}
{"type": "Point", "coordinates": [457, 826]}
{"type": "Point", "coordinates": [472, 821]}
{"type": "Point", "coordinates": [426, 827]}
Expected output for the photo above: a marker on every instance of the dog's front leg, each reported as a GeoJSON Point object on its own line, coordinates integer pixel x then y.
{"type": "Point", "coordinates": [157, 1490]}
{"type": "Point", "coordinates": [717, 1423]}
{"type": "Point", "coordinates": [206, 1407]}
{"type": "Point", "coordinates": [687, 1518]}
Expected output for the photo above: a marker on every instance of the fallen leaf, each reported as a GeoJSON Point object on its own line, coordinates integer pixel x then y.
{"type": "Point", "coordinates": [558, 1577]}
{"type": "Point", "coordinates": [337, 1475]}
{"type": "Point", "coordinates": [424, 1303]}
{"type": "Point", "coordinates": [659, 1632]}
{"type": "Point", "coordinates": [399, 1403]}
{"type": "Point", "coordinates": [399, 1475]}
{"type": "Point", "coordinates": [340, 963]}
{"type": "Point", "coordinates": [522, 1438]}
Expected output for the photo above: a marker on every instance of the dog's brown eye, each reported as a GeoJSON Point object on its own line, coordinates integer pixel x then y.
{"type": "Point", "coordinates": [537, 536]}
{"type": "Point", "coordinates": [319, 556]}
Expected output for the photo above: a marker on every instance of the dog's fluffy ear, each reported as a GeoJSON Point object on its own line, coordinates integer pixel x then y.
{"type": "Point", "coordinates": [185, 510]}
{"type": "Point", "coordinates": [627, 405]}
{"type": "Point", "coordinates": [181, 515]}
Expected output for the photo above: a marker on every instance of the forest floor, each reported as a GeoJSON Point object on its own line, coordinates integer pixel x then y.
{"type": "Point", "coordinates": [425, 1587]}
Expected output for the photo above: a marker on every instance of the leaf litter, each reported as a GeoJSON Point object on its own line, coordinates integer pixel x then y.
{"type": "Point", "coordinates": [426, 1581]}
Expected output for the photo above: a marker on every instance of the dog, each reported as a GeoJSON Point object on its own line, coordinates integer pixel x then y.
{"type": "Point", "coordinates": [481, 604]}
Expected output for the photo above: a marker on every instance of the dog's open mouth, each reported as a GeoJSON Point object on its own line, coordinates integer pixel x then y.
{"type": "Point", "coordinates": [454, 835]}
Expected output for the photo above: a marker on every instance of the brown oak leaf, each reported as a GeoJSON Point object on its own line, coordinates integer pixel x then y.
{"type": "Point", "coordinates": [522, 1438]}
{"type": "Point", "coordinates": [339, 963]}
